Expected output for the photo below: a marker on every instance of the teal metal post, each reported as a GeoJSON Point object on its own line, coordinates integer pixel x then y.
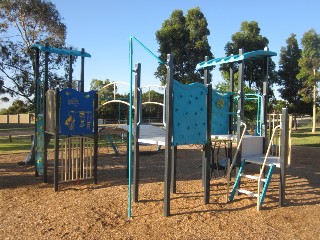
{"type": "Point", "coordinates": [70, 71]}
{"type": "Point", "coordinates": [130, 133]}
{"type": "Point", "coordinates": [82, 71]}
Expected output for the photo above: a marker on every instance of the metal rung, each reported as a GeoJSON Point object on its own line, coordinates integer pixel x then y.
{"type": "Point", "coordinates": [247, 192]}
{"type": "Point", "coordinates": [253, 177]}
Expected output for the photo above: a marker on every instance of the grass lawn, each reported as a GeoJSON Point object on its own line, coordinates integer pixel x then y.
{"type": "Point", "coordinates": [23, 144]}
{"type": "Point", "coordinates": [304, 137]}
{"type": "Point", "coordinates": [301, 137]}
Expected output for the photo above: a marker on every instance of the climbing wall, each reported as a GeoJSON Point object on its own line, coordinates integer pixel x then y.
{"type": "Point", "coordinates": [220, 113]}
{"type": "Point", "coordinates": [40, 143]}
{"type": "Point", "coordinates": [189, 113]}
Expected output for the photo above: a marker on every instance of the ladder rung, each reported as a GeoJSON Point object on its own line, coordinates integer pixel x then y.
{"type": "Point", "coordinates": [247, 192]}
{"type": "Point", "coordinates": [253, 177]}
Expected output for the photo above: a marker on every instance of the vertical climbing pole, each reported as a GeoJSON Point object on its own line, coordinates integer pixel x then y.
{"type": "Point", "coordinates": [168, 137]}
{"type": "Point", "coordinates": [129, 147]}
{"type": "Point", "coordinates": [137, 110]}
{"type": "Point", "coordinates": [131, 39]}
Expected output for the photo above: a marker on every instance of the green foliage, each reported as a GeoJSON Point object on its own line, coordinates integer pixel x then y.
{"type": "Point", "coordinates": [290, 86]}
{"type": "Point", "coordinates": [29, 21]}
{"type": "Point", "coordinates": [186, 38]}
{"type": "Point", "coordinates": [106, 92]}
{"type": "Point", "coordinates": [309, 63]}
{"type": "Point", "coordinates": [152, 110]}
{"type": "Point", "coordinates": [18, 106]}
{"type": "Point", "coordinates": [250, 39]}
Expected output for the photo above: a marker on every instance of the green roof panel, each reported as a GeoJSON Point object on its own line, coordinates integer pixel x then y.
{"type": "Point", "coordinates": [236, 58]}
{"type": "Point", "coordinates": [60, 51]}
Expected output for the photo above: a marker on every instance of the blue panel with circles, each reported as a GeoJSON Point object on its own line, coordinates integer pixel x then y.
{"type": "Point", "coordinates": [189, 113]}
{"type": "Point", "coordinates": [220, 113]}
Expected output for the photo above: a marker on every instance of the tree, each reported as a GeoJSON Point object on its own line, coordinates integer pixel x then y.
{"type": "Point", "coordinates": [152, 110]}
{"type": "Point", "coordinates": [289, 68]}
{"type": "Point", "coordinates": [18, 106]}
{"type": "Point", "coordinates": [309, 65]}
{"type": "Point", "coordinates": [250, 39]}
{"type": "Point", "coordinates": [3, 91]}
{"type": "Point", "coordinates": [22, 23]}
{"type": "Point", "coordinates": [107, 92]}
{"type": "Point", "coordinates": [186, 38]}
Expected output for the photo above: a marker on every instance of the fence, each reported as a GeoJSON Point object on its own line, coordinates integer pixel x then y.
{"type": "Point", "coordinates": [27, 118]}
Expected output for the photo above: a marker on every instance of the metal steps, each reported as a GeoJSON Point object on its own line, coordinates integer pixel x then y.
{"type": "Point", "coordinates": [262, 184]}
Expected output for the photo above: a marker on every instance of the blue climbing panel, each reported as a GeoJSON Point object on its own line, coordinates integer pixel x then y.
{"type": "Point", "coordinates": [189, 113]}
{"type": "Point", "coordinates": [76, 112]}
{"type": "Point", "coordinates": [220, 113]}
{"type": "Point", "coordinates": [40, 143]}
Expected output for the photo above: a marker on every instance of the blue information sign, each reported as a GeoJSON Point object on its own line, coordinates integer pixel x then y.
{"type": "Point", "coordinates": [76, 112]}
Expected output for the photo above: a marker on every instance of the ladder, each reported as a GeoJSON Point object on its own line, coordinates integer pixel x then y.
{"type": "Point", "coordinates": [270, 160]}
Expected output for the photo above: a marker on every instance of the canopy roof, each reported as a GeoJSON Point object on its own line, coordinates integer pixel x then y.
{"type": "Point", "coordinates": [236, 58]}
{"type": "Point", "coordinates": [60, 51]}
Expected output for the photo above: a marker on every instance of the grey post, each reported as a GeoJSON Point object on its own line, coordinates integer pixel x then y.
{"type": "Point", "coordinates": [283, 154]}
{"type": "Point", "coordinates": [208, 148]}
{"type": "Point", "coordinates": [168, 137]}
{"type": "Point", "coordinates": [136, 130]}
{"type": "Point", "coordinates": [240, 111]}
{"type": "Point", "coordinates": [265, 101]}
{"type": "Point", "coordinates": [56, 141]}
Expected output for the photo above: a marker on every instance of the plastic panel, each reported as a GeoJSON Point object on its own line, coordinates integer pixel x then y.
{"type": "Point", "coordinates": [189, 113]}
{"type": "Point", "coordinates": [76, 112]}
{"type": "Point", "coordinates": [220, 113]}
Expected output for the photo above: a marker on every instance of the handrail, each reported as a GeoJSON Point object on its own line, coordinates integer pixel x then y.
{"type": "Point", "coordinates": [265, 159]}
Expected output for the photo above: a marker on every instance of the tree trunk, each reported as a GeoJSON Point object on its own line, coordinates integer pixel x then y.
{"type": "Point", "coordinates": [314, 113]}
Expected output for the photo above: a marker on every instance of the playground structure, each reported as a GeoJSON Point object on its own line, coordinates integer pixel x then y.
{"type": "Point", "coordinates": [266, 150]}
{"type": "Point", "coordinates": [212, 120]}
{"type": "Point", "coordinates": [193, 114]}
{"type": "Point", "coordinates": [67, 114]}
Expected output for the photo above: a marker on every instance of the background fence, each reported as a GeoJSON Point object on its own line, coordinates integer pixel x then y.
{"type": "Point", "coordinates": [18, 118]}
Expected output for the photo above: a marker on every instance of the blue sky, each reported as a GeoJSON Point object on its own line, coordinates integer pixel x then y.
{"type": "Point", "coordinates": [103, 28]}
